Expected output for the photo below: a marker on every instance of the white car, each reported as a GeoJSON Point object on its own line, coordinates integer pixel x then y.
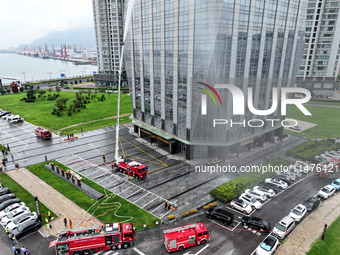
{"type": "Point", "coordinates": [302, 166]}
{"type": "Point", "coordinates": [240, 205]}
{"type": "Point", "coordinates": [252, 201]}
{"type": "Point", "coordinates": [22, 219]}
{"type": "Point", "coordinates": [298, 212]}
{"type": "Point", "coordinates": [268, 246]}
{"type": "Point", "coordinates": [6, 116]}
{"type": "Point", "coordinates": [281, 184]}
{"type": "Point", "coordinates": [16, 119]}
{"type": "Point", "coordinates": [326, 191]}
{"type": "Point", "coordinates": [257, 194]}
{"type": "Point", "coordinates": [13, 215]}
{"type": "Point", "coordinates": [269, 192]}
{"type": "Point", "coordinates": [10, 208]}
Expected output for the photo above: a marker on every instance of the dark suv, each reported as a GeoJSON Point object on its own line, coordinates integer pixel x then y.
{"type": "Point", "coordinates": [3, 198]}
{"type": "Point", "coordinates": [220, 214]}
{"type": "Point", "coordinates": [311, 203]}
{"type": "Point", "coordinates": [256, 223]}
{"type": "Point", "coordinates": [25, 228]}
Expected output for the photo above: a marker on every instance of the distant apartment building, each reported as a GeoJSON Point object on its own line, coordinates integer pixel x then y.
{"type": "Point", "coordinates": [177, 52]}
{"type": "Point", "coordinates": [108, 21]}
{"type": "Point", "coordinates": [320, 64]}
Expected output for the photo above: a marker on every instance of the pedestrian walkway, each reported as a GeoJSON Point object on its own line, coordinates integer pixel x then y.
{"type": "Point", "coordinates": [300, 240]}
{"type": "Point", "coordinates": [54, 200]}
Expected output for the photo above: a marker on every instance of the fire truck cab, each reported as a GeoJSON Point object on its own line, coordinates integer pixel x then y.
{"type": "Point", "coordinates": [91, 240]}
{"type": "Point", "coordinates": [185, 236]}
{"type": "Point", "coordinates": [132, 168]}
{"type": "Point", "coordinates": [43, 133]}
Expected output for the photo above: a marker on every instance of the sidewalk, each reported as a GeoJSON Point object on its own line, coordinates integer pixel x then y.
{"type": "Point", "coordinates": [54, 200]}
{"type": "Point", "coordinates": [301, 239]}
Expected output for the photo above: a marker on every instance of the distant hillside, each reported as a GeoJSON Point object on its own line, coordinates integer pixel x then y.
{"type": "Point", "coordinates": [79, 36]}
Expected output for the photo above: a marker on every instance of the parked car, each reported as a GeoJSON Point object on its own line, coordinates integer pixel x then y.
{"type": "Point", "coordinates": [298, 212]}
{"type": "Point", "coordinates": [298, 128]}
{"type": "Point", "coordinates": [261, 196]}
{"type": "Point", "coordinates": [284, 178]}
{"type": "Point", "coordinates": [240, 205]}
{"type": "Point", "coordinates": [3, 198]}
{"type": "Point", "coordinates": [326, 191]}
{"type": "Point", "coordinates": [252, 201]}
{"type": "Point", "coordinates": [268, 246]}
{"type": "Point", "coordinates": [12, 215]}
{"type": "Point", "coordinates": [25, 228]}
{"type": "Point", "coordinates": [311, 203]}
{"type": "Point", "coordinates": [220, 214]}
{"type": "Point", "coordinates": [270, 186]}
{"type": "Point", "coordinates": [10, 208]}
{"type": "Point", "coordinates": [4, 113]}
{"type": "Point", "coordinates": [269, 192]}
{"type": "Point", "coordinates": [9, 202]}
{"type": "Point", "coordinates": [256, 223]}
{"type": "Point", "coordinates": [22, 219]}
{"type": "Point", "coordinates": [282, 229]}
{"type": "Point", "coordinates": [4, 191]}
{"type": "Point", "coordinates": [336, 184]}
{"type": "Point", "coordinates": [5, 117]}
{"type": "Point", "coordinates": [304, 167]}
{"type": "Point", "coordinates": [16, 119]}
{"type": "Point", "coordinates": [281, 184]}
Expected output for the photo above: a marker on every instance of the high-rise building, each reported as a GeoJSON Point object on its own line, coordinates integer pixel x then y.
{"type": "Point", "coordinates": [108, 21]}
{"type": "Point", "coordinates": [177, 54]}
{"type": "Point", "coordinates": [320, 64]}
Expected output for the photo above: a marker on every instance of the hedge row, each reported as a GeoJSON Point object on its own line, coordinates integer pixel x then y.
{"type": "Point", "coordinates": [312, 148]}
{"type": "Point", "coordinates": [233, 189]}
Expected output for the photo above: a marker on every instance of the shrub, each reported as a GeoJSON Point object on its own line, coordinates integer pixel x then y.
{"type": "Point", "coordinates": [231, 190]}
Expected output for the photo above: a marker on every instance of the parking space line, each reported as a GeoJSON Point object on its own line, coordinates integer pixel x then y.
{"type": "Point", "coordinates": [132, 194]}
{"type": "Point", "coordinates": [141, 197]}
{"type": "Point", "coordinates": [238, 223]}
{"type": "Point", "coordinates": [227, 228]}
{"type": "Point", "coordinates": [149, 202]}
{"type": "Point", "coordinates": [138, 251]}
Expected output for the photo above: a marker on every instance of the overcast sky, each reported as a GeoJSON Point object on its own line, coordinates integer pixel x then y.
{"type": "Point", "coordinates": [22, 21]}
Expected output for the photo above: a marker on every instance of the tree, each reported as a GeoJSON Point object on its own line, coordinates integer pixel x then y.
{"type": "Point", "coordinates": [50, 89]}
{"type": "Point", "coordinates": [41, 92]}
{"type": "Point", "coordinates": [61, 104]}
{"type": "Point", "coordinates": [57, 89]}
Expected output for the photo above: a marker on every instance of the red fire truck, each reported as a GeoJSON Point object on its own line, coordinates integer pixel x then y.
{"type": "Point", "coordinates": [43, 133]}
{"type": "Point", "coordinates": [185, 236]}
{"type": "Point", "coordinates": [90, 240]}
{"type": "Point", "coordinates": [131, 168]}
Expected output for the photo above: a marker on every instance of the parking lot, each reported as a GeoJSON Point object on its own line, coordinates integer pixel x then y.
{"type": "Point", "coordinates": [169, 179]}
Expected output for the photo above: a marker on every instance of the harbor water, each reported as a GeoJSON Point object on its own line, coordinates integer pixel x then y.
{"type": "Point", "coordinates": [28, 69]}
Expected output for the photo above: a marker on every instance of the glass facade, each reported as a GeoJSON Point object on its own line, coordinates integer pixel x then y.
{"type": "Point", "coordinates": [174, 46]}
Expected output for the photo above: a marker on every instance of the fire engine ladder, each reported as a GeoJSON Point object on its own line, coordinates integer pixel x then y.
{"type": "Point", "coordinates": [179, 228]}
{"type": "Point", "coordinates": [107, 170]}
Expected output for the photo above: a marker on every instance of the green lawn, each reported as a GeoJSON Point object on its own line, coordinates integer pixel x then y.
{"type": "Point", "coordinates": [337, 103]}
{"type": "Point", "coordinates": [24, 195]}
{"type": "Point", "coordinates": [39, 112]}
{"type": "Point", "coordinates": [326, 118]}
{"type": "Point", "coordinates": [114, 209]}
{"type": "Point", "coordinates": [95, 125]}
{"type": "Point", "coordinates": [331, 244]}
